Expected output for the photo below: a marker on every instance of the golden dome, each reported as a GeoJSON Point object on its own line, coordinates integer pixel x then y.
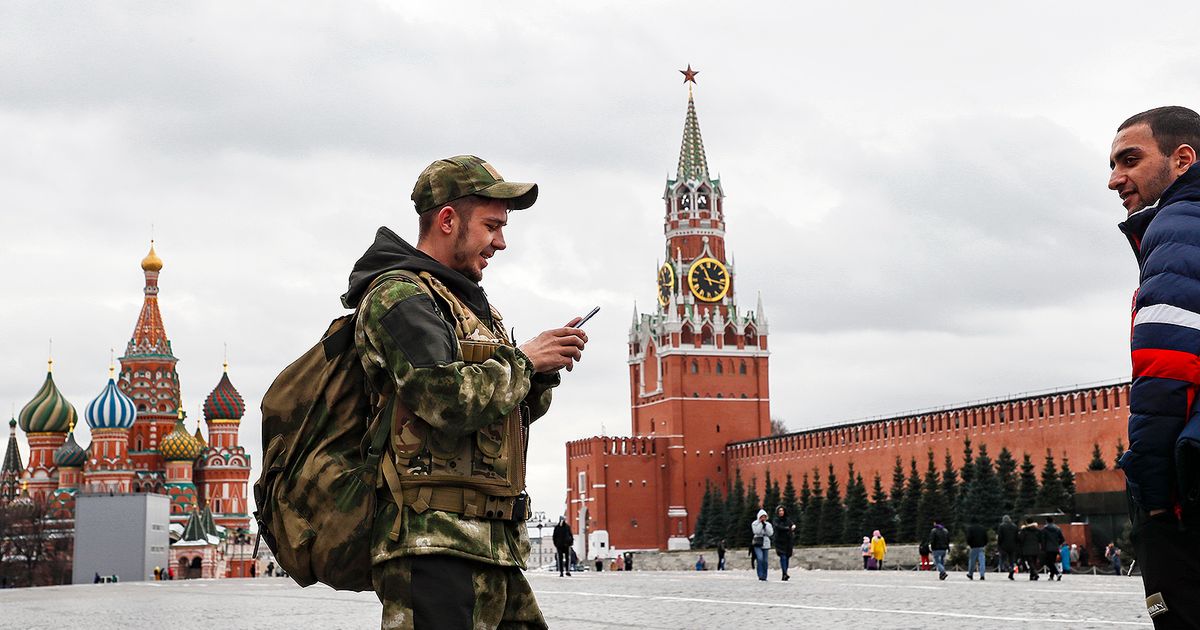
{"type": "Point", "coordinates": [152, 262]}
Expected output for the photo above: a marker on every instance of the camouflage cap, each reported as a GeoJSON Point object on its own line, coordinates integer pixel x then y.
{"type": "Point", "coordinates": [462, 175]}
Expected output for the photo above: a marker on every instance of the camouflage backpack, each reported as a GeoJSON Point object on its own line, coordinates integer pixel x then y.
{"type": "Point", "coordinates": [322, 446]}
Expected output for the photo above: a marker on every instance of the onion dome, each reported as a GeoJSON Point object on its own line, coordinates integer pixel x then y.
{"type": "Point", "coordinates": [24, 504]}
{"type": "Point", "coordinates": [224, 403]}
{"type": "Point", "coordinates": [70, 454]}
{"type": "Point", "coordinates": [49, 411]}
{"type": "Point", "coordinates": [112, 409]}
{"type": "Point", "coordinates": [179, 445]}
{"type": "Point", "coordinates": [152, 262]}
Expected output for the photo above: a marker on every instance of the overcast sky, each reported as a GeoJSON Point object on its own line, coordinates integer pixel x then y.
{"type": "Point", "coordinates": [917, 190]}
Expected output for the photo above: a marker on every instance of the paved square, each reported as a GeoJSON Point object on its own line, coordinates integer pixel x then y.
{"type": "Point", "coordinates": [594, 601]}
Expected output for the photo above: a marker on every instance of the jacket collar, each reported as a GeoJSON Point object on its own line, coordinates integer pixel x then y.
{"type": "Point", "coordinates": [1186, 186]}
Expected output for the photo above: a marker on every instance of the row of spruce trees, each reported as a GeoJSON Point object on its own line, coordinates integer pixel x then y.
{"type": "Point", "coordinates": [981, 491]}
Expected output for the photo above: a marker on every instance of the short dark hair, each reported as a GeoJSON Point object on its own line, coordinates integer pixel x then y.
{"type": "Point", "coordinates": [1171, 126]}
{"type": "Point", "coordinates": [1049, 519]}
{"type": "Point", "coordinates": [464, 206]}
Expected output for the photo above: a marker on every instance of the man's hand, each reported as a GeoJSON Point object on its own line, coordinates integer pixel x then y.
{"type": "Point", "coordinates": [556, 348]}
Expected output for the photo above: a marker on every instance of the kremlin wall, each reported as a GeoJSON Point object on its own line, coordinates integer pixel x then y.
{"type": "Point", "coordinates": [140, 444]}
{"type": "Point", "coordinates": [700, 401]}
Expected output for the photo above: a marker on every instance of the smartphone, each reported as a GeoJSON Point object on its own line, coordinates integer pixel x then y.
{"type": "Point", "coordinates": [587, 317]}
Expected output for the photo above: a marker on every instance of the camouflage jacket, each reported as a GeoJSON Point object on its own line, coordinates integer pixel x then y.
{"type": "Point", "coordinates": [409, 349]}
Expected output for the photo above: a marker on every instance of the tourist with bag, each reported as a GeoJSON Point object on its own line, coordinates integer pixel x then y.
{"type": "Point", "coordinates": [761, 532]}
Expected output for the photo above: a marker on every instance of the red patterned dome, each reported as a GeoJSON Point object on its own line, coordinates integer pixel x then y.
{"type": "Point", "coordinates": [224, 403]}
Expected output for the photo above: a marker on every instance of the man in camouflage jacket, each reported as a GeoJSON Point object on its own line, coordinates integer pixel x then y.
{"type": "Point", "coordinates": [419, 310]}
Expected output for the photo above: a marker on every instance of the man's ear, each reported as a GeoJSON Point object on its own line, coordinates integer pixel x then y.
{"type": "Point", "coordinates": [1184, 158]}
{"type": "Point", "coordinates": [446, 216]}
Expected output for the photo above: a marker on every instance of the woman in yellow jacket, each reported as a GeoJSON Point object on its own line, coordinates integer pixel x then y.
{"type": "Point", "coordinates": [878, 549]}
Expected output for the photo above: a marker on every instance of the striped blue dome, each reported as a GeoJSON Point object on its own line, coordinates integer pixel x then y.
{"type": "Point", "coordinates": [111, 409]}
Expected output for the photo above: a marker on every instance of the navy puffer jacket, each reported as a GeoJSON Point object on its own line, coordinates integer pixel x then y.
{"type": "Point", "coordinates": [1162, 465]}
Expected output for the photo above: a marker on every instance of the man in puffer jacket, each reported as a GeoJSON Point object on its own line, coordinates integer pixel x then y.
{"type": "Point", "coordinates": [761, 532]}
{"type": "Point", "coordinates": [1152, 163]}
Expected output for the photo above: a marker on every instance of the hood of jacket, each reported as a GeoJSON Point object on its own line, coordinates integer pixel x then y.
{"type": "Point", "coordinates": [761, 513]}
{"type": "Point", "coordinates": [389, 252]}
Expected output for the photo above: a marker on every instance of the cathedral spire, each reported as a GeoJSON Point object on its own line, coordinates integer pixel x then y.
{"type": "Point", "coordinates": [693, 165]}
{"type": "Point", "coordinates": [149, 336]}
{"type": "Point", "coordinates": [10, 474]}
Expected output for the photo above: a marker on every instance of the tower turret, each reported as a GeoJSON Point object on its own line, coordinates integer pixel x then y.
{"type": "Point", "coordinates": [148, 376]}
{"type": "Point", "coordinates": [10, 473]}
{"type": "Point", "coordinates": [224, 466]}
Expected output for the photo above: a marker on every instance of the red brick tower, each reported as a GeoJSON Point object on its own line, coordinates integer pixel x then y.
{"type": "Point", "coordinates": [148, 377]}
{"type": "Point", "coordinates": [698, 363]}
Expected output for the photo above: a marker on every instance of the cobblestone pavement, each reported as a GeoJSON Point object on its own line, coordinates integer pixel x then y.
{"type": "Point", "coordinates": [595, 601]}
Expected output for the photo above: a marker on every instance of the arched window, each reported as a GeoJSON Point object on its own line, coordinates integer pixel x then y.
{"type": "Point", "coordinates": [742, 368]}
{"type": "Point", "coordinates": [695, 367]}
{"type": "Point", "coordinates": [720, 368]}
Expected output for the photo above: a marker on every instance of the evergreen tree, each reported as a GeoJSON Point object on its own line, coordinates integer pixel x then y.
{"type": "Point", "coordinates": [1027, 492]}
{"type": "Point", "coordinates": [700, 536]}
{"type": "Point", "coordinates": [933, 504]}
{"type": "Point", "coordinates": [880, 515]}
{"type": "Point", "coordinates": [857, 505]}
{"type": "Point", "coordinates": [949, 493]}
{"type": "Point", "coordinates": [1006, 470]}
{"type": "Point", "coordinates": [811, 534]}
{"type": "Point", "coordinates": [789, 499]}
{"type": "Point", "coordinates": [771, 496]}
{"type": "Point", "coordinates": [718, 522]}
{"type": "Point", "coordinates": [735, 506]}
{"type": "Point", "coordinates": [1067, 478]}
{"type": "Point", "coordinates": [912, 502]}
{"type": "Point", "coordinates": [1120, 452]}
{"type": "Point", "coordinates": [965, 475]}
{"type": "Point", "coordinates": [753, 505]}
{"type": "Point", "coordinates": [1097, 462]}
{"type": "Point", "coordinates": [833, 515]}
{"type": "Point", "coordinates": [896, 492]}
{"type": "Point", "coordinates": [806, 513]}
{"type": "Point", "coordinates": [1051, 495]}
{"type": "Point", "coordinates": [985, 496]}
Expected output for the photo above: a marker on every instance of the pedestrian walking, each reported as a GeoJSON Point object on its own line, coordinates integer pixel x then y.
{"type": "Point", "coordinates": [563, 538]}
{"type": "Point", "coordinates": [785, 530]}
{"type": "Point", "coordinates": [761, 532]}
{"type": "Point", "coordinates": [1113, 555]}
{"type": "Point", "coordinates": [878, 549]}
{"type": "Point", "coordinates": [939, 543]}
{"type": "Point", "coordinates": [977, 540]}
{"type": "Point", "coordinates": [721, 555]}
{"type": "Point", "coordinates": [1007, 545]}
{"type": "Point", "coordinates": [271, 569]}
{"type": "Point", "coordinates": [1030, 541]}
{"type": "Point", "coordinates": [1052, 539]}
{"type": "Point", "coordinates": [866, 552]}
{"type": "Point", "coordinates": [1152, 161]}
{"type": "Point", "coordinates": [923, 552]}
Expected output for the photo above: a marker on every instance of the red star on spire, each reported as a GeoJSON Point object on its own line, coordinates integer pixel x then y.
{"type": "Point", "coordinates": [689, 75]}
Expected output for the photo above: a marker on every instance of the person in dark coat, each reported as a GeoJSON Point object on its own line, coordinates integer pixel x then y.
{"type": "Point", "coordinates": [1052, 540]}
{"type": "Point", "coordinates": [721, 555]}
{"type": "Point", "coordinates": [563, 539]}
{"type": "Point", "coordinates": [1030, 540]}
{"type": "Point", "coordinates": [1006, 542]}
{"type": "Point", "coordinates": [784, 534]}
{"type": "Point", "coordinates": [977, 540]}
{"type": "Point", "coordinates": [939, 543]}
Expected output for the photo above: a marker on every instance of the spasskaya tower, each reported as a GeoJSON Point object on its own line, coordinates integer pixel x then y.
{"type": "Point", "coordinates": [698, 372]}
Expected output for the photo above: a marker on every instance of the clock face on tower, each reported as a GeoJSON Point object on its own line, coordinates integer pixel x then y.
{"type": "Point", "coordinates": [666, 283]}
{"type": "Point", "coordinates": [708, 279]}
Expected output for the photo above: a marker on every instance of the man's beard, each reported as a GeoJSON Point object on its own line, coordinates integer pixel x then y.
{"type": "Point", "coordinates": [1162, 180]}
{"type": "Point", "coordinates": [462, 257]}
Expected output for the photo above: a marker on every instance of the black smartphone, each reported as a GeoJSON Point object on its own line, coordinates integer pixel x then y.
{"type": "Point", "coordinates": [587, 317]}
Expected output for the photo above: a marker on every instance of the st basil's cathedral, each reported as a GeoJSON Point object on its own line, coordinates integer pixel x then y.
{"type": "Point", "coordinates": [140, 444]}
